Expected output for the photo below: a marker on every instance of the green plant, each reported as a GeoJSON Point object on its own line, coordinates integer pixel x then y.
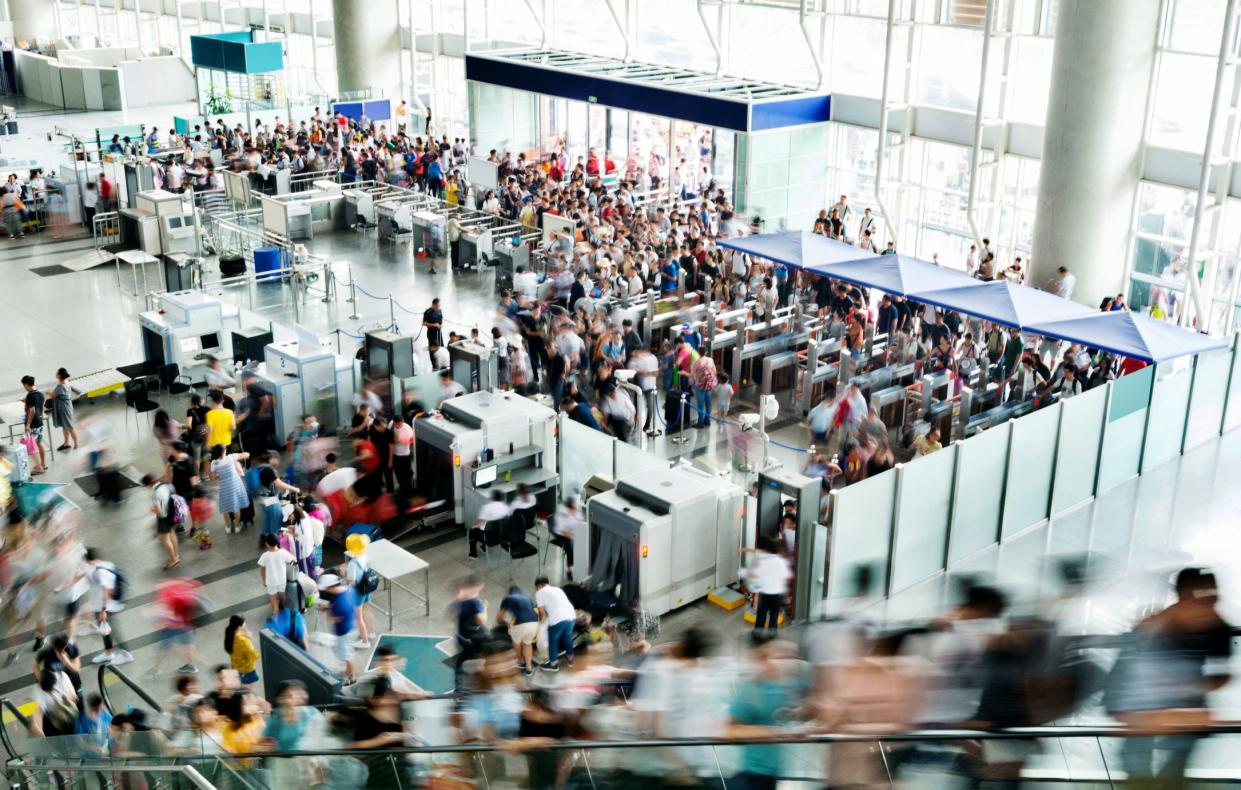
{"type": "Point", "coordinates": [219, 103]}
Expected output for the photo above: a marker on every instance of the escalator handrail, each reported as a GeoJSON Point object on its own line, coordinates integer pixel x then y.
{"type": "Point", "coordinates": [141, 692]}
{"type": "Point", "coordinates": [7, 704]}
{"type": "Point", "coordinates": [906, 736]}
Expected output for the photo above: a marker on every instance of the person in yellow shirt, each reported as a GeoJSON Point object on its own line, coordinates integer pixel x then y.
{"type": "Point", "coordinates": [240, 648]}
{"type": "Point", "coordinates": [925, 444]}
{"type": "Point", "coordinates": [221, 422]}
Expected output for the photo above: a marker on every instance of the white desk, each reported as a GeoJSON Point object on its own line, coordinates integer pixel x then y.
{"type": "Point", "coordinates": [393, 562]}
{"type": "Point", "coordinates": [137, 260]}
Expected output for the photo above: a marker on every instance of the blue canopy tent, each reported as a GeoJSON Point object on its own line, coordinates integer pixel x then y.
{"type": "Point", "coordinates": [1005, 303]}
{"type": "Point", "coordinates": [798, 249]}
{"type": "Point", "coordinates": [1130, 335]}
{"type": "Point", "coordinates": [896, 274]}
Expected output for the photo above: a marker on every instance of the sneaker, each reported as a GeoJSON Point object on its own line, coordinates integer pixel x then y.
{"type": "Point", "coordinates": [471, 556]}
{"type": "Point", "coordinates": [38, 643]}
{"type": "Point", "coordinates": [529, 671]}
{"type": "Point", "coordinates": [103, 658]}
{"type": "Point", "coordinates": [9, 659]}
{"type": "Point", "coordinates": [361, 645]}
{"type": "Point", "coordinates": [122, 657]}
{"type": "Point", "coordinates": [187, 669]}
{"type": "Point", "coordinates": [550, 666]}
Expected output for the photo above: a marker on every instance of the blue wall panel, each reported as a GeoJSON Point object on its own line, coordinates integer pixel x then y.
{"type": "Point", "coordinates": [790, 112]}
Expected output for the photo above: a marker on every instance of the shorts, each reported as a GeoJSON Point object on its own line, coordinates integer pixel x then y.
{"type": "Point", "coordinates": [178, 636]}
{"type": "Point", "coordinates": [71, 608]}
{"type": "Point", "coordinates": [272, 590]}
{"type": "Point", "coordinates": [163, 526]}
{"type": "Point", "coordinates": [36, 432]}
{"type": "Point", "coordinates": [525, 633]}
{"type": "Point", "coordinates": [250, 678]}
{"type": "Point", "coordinates": [344, 647]}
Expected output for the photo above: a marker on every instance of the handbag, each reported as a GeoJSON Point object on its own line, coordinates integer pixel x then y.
{"type": "Point", "coordinates": [31, 444]}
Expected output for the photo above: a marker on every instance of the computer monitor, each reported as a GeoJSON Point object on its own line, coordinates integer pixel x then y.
{"type": "Point", "coordinates": [485, 475]}
{"type": "Point", "coordinates": [189, 345]}
{"type": "Point", "coordinates": [210, 341]}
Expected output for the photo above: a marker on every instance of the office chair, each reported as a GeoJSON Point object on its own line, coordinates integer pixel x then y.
{"type": "Point", "coordinates": [171, 380]}
{"type": "Point", "coordinates": [138, 399]}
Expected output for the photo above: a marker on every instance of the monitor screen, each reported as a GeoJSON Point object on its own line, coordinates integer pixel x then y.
{"type": "Point", "coordinates": [211, 340]}
{"type": "Point", "coordinates": [485, 476]}
{"type": "Point", "coordinates": [378, 365]}
{"type": "Point", "coordinates": [189, 345]}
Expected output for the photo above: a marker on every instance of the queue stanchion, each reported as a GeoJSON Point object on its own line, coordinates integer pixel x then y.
{"type": "Point", "coordinates": [681, 438]}
{"type": "Point", "coordinates": [652, 416]}
{"type": "Point", "coordinates": [353, 295]}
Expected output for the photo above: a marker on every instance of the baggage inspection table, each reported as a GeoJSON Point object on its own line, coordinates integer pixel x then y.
{"type": "Point", "coordinates": [393, 562]}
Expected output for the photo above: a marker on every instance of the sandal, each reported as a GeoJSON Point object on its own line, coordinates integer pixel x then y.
{"type": "Point", "coordinates": [173, 565]}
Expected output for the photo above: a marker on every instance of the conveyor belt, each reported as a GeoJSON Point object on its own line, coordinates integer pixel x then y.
{"type": "Point", "coordinates": [101, 382]}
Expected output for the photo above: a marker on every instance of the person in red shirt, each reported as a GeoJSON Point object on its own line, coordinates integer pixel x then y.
{"type": "Point", "coordinates": [107, 193]}
{"type": "Point", "coordinates": [592, 163]}
{"type": "Point", "coordinates": [609, 166]}
{"type": "Point", "coordinates": [1130, 365]}
{"type": "Point", "coordinates": [179, 602]}
{"type": "Point", "coordinates": [370, 480]}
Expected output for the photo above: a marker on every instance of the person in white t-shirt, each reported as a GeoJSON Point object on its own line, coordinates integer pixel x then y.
{"type": "Point", "coordinates": [497, 511]}
{"type": "Point", "coordinates": [554, 607]}
{"type": "Point", "coordinates": [104, 579]}
{"type": "Point", "coordinates": [274, 570]}
{"type": "Point", "coordinates": [769, 578]}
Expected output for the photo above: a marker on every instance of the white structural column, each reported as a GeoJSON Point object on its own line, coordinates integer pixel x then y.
{"type": "Point", "coordinates": [33, 19]}
{"type": "Point", "coordinates": [368, 55]}
{"type": "Point", "coordinates": [1104, 55]}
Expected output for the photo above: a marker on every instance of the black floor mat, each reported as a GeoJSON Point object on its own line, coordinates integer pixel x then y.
{"type": "Point", "coordinates": [51, 271]}
{"type": "Point", "coordinates": [90, 486]}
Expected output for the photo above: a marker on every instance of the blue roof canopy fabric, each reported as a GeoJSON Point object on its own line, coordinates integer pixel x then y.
{"type": "Point", "coordinates": [1130, 335]}
{"type": "Point", "coordinates": [798, 248]}
{"type": "Point", "coordinates": [1002, 301]}
{"type": "Point", "coordinates": [896, 274]}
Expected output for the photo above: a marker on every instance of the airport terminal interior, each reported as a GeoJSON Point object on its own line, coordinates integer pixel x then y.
{"type": "Point", "coordinates": [602, 393]}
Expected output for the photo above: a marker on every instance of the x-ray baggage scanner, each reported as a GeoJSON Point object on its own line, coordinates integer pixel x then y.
{"type": "Point", "coordinates": [307, 378]}
{"type": "Point", "coordinates": [186, 327]}
{"type": "Point", "coordinates": [484, 442]}
{"type": "Point", "coordinates": [775, 487]}
{"type": "Point", "coordinates": [665, 536]}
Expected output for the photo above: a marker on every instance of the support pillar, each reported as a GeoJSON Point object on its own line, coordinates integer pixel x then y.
{"type": "Point", "coordinates": [33, 19]}
{"type": "Point", "coordinates": [1092, 149]}
{"type": "Point", "coordinates": [368, 56]}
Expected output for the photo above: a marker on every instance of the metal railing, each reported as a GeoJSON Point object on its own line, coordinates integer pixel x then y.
{"type": "Point", "coordinates": [71, 774]}
{"type": "Point", "coordinates": [9, 748]}
{"type": "Point", "coordinates": [106, 229]}
{"type": "Point", "coordinates": [104, 670]}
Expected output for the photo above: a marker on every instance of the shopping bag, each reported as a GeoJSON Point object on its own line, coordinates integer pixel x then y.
{"type": "Point", "coordinates": [31, 444]}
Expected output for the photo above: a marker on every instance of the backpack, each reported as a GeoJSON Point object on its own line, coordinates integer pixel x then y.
{"type": "Point", "coordinates": [178, 510]}
{"type": "Point", "coordinates": [121, 585]}
{"type": "Point", "coordinates": [368, 582]}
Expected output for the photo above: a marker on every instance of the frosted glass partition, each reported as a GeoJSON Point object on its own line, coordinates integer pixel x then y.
{"type": "Point", "coordinates": [978, 491]}
{"type": "Point", "coordinates": [1126, 424]}
{"type": "Point", "coordinates": [922, 517]}
{"type": "Point", "coordinates": [1165, 426]}
{"type": "Point", "coordinates": [861, 532]}
{"type": "Point", "coordinates": [630, 459]}
{"type": "Point", "coordinates": [583, 452]}
{"type": "Point", "coordinates": [1208, 396]}
{"type": "Point", "coordinates": [1031, 459]}
{"type": "Point", "coordinates": [1077, 457]}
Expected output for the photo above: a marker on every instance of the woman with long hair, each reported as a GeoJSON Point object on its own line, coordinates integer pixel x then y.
{"type": "Point", "coordinates": [240, 649]}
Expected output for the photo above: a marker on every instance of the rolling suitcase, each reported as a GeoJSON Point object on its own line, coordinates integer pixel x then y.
{"type": "Point", "coordinates": [19, 459]}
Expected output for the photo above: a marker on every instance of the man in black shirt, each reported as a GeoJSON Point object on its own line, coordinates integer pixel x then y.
{"type": "Point", "coordinates": [61, 655]}
{"type": "Point", "coordinates": [381, 436]}
{"type": "Point", "coordinates": [34, 421]}
{"type": "Point", "coordinates": [938, 330]}
{"type": "Point", "coordinates": [433, 322]}
{"type": "Point", "coordinates": [534, 330]}
{"type": "Point", "coordinates": [630, 338]}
